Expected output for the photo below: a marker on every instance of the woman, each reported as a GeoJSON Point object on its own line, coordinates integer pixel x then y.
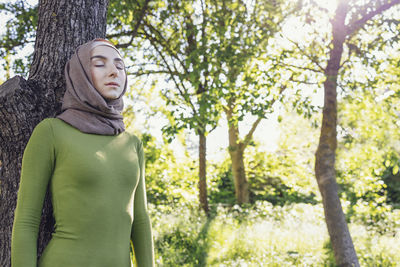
{"type": "Point", "coordinates": [95, 173]}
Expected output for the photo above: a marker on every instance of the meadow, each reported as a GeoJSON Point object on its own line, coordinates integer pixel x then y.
{"type": "Point", "coordinates": [265, 235]}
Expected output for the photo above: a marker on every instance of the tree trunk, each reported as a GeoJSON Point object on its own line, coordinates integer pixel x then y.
{"type": "Point", "coordinates": [202, 173]}
{"type": "Point", "coordinates": [236, 152]}
{"type": "Point", "coordinates": [239, 174]}
{"type": "Point", "coordinates": [62, 26]}
{"type": "Point", "coordinates": [325, 172]}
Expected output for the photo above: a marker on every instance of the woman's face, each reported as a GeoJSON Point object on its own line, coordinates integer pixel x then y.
{"type": "Point", "coordinates": [108, 71]}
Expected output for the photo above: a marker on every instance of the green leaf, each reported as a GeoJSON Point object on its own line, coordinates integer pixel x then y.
{"type": "Point", "coordinates": [395, 169]}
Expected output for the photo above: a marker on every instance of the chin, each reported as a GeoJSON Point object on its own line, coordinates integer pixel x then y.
{"type": "Point", "coordinates": [111, 95]}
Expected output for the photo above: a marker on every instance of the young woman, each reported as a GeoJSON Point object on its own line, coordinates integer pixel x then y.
{"type": "Point", "coordinates": [94, 170]}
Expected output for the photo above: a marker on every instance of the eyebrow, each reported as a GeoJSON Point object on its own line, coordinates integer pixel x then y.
{"type": "Point", "coordinates": [103, 57]}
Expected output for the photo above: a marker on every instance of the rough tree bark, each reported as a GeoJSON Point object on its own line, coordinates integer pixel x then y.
{"type": "Point", "coordinates": [62, 26]}
{"type": "Point", "coordinates": [202, 173]}
{"type": "Point", "coordinates": [342, 244]}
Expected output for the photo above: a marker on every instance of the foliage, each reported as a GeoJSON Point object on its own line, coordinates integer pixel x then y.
{"type": "Point", "coordinates": [287, 172]}
{"type": "Point", "coordinates": [169, 179]}
{"type": "Point", "coordinates": [368, 152]}
{"type": "Point", "coordinates": [264, 184]}
{"type": "Point", "coordinates": [286, 175]}
{"type": "Point", "coordinates": [247, 79]}
{"type": "Point", "coordinates": [168, 42]}
{"type": "Point", "coordinates": [261, 235]}
{"type": "Point", "coordinates": [181, 238]}
{"type": "Point", "coordinates": [221, 189]}
{"type": "Point", "coordinates": [19, 30]}
{"type": "Point", "coordinates": [391, 178]}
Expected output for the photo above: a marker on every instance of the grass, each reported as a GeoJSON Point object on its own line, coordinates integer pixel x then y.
{"type": "Point", "coordinates": [262, 235]}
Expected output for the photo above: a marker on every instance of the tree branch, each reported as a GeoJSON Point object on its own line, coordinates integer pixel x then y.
{"type": "Point", "coordinates": [132, 33]}
{"type": "Point", "coordinates": [302, 68]}
{"type": "Point", "coordinates": [367, 16]}
{"type": "Point", "coordinates": [249, 135]}
{"type": "Point", "coordinates": [120, 34]}
{"type": "Point", "coordinates": [307, 55]}
{"type": "Point", "coordinates": [170, 71]}
{"type": "Point", "coordinates": [164, 44]}
{"type": "Point", "coordinates": [148, 72]}
{"type": "Point", "coordinates": [141, 16]}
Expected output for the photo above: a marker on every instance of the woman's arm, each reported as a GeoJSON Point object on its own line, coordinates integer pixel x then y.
{"type": "Point", "coordinates": [37, 168]}
{"type": "Point", "coordinates": [141, 235]}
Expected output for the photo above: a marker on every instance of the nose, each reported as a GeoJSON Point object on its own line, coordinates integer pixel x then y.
{"type": "Point", "coordinates": [113, 70]}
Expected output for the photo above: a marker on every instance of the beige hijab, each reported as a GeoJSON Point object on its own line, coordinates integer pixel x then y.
{"type": "Point", "coordinates": [83, 106]}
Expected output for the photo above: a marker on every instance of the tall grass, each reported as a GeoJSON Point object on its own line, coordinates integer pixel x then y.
{"type": "Point", "coordinates": [262, 235]}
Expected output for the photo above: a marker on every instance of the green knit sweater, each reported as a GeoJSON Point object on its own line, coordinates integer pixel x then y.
{"type": "Point", "coordinates": [98, 194]}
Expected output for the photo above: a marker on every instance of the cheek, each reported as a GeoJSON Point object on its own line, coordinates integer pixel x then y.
{"type": "Point", "coordinates": [122, 80]}
{"type": "Point", "coordinates": [95, 76]}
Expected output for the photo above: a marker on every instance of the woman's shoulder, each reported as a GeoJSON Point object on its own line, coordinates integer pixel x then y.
{"type": "Point", "coordinates": [134, 140]}
{"type": "Point", "coordinates": [54, 122]}
{"type": "Point", "coordinates": [43, 126]}
{"type": "Point", "coordinates": [42, 131]}
{"type": "Point", "coordinates": [57, 125]}
{"type": "Point", "coordinates": [51, 127]}
{"type": "Point", "coordinates": [133, 137]}
{"type": "Point", "coordinates": [48, 122]}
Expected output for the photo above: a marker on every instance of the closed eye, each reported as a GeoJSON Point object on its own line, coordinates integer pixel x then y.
{"type": "Point", "coordinates": [119, 65]}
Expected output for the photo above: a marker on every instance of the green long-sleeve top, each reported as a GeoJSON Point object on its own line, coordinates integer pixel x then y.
{"type": "Point", "coordinates": [98, 194]}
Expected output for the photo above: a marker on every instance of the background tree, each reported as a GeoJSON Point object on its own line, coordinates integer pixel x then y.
{"type": "Point", "coordinates": [173, 38]}
{"type": "Point", "coordinates": [24, 103]}
{"type": "Point", "coordinates": [214, 55]}
{"type": "Point", "coordinates": [328, 54]}
{"type": "Point", "coordinates": [249, 81]}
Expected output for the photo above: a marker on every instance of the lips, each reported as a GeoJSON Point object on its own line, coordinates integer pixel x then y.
{"type": "Point", "coordinates": [112, 84]}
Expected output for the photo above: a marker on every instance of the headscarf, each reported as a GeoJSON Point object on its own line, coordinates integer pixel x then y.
{"type": "Point", "coordinates": [83, 106]}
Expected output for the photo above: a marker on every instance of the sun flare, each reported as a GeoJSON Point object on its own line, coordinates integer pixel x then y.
{"type": "Point", "coordinates": [330, 5]}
